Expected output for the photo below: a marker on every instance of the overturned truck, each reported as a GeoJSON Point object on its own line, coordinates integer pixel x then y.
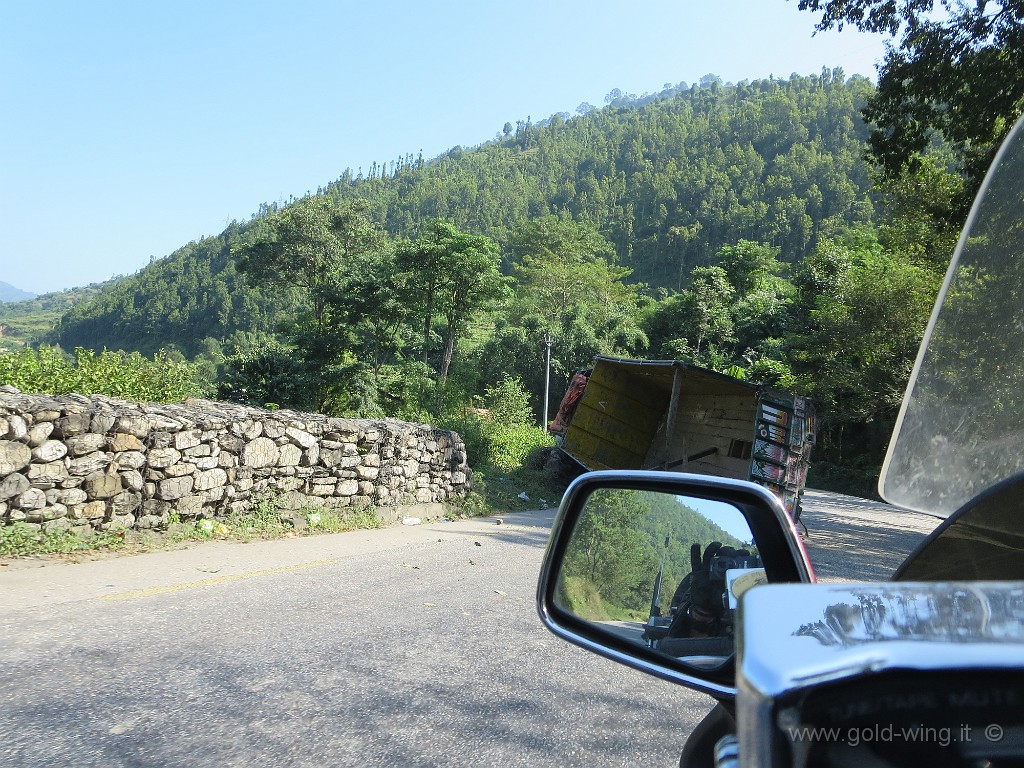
{"type": "Point", "coordinates": [667, 415]}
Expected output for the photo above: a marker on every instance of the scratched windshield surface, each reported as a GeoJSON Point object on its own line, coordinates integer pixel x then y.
{"type": "Point", "coordinates": [961, 428]}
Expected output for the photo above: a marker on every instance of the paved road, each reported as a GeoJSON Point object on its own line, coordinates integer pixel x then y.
{"type": "Point", "coordinates": [413, 646]}
{"type": "Point", "coordinates": [851, 539]}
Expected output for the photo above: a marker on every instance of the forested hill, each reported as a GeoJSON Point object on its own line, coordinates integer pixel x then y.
{"type": "Point", "coordinates": [667, 179]}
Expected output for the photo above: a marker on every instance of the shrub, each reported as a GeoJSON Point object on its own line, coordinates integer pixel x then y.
{"type": "Point", "coordinates": [48, 370]}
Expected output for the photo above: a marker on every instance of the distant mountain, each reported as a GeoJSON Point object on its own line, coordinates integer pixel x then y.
{"type": "Point", "coordinates": [9, 293]}
{"type": "Point", "coordinates": [29, 320]}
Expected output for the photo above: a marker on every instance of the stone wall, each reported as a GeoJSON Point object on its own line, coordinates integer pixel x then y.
{"type": "Point", "coordinates": [102, 463]}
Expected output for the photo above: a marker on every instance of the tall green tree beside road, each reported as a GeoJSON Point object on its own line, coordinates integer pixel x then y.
{"type": "Point", "coordinates": [566, 288]}
{"type": "Point", "coordinates": [696, 324]}
{"type": "Point", "coordinates": [313, 246]}
{"type": "Point", "coordinates": [859, 314]}
{"type": "Point", "coordinates": [318, 249]}
{"type": "Point", "coordinates": [452, 274]}
{"type": "Point", "coordinates": [565, 273]}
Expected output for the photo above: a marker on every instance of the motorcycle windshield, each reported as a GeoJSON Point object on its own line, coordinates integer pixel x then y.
{"type": "Point", "coordinates": [961, 426]}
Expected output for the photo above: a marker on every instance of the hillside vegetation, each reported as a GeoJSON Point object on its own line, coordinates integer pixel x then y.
{"type": "Point", "coordinates": [667, 183]}
{"type": "Point", "coordinates": [27, 320]}
{"type": "Point", "coordinates": [734, 226]}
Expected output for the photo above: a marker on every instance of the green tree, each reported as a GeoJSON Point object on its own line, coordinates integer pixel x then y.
{"type": "Point", "coordinates": [311, 245]}
{"type": "Point", "coordinates": [922, 212]}
{"type": "Point", "coordinates": [957, 70]}
{"type": "Point", "coordinates": [325, 251]}
{"type": "Point", "coordinates": [861, 311]}
{"type": "Point", "coordinates": [696, 324]}
{"type": "Point", "coordinates": [453, 274]}
{"type": "Point", "coordinates": [567, 288]}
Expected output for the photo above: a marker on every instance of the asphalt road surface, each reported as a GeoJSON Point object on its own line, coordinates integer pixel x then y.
{"type": "Point", "coordinates": [412, 646]}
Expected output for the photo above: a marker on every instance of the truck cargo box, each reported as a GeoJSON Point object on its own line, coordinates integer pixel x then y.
{"type": "Point", "coordinates": [665, 414]}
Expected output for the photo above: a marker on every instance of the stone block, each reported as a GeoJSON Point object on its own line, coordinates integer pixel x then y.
{"type": "Point", "coordinates": [132, 480]}
{"type": "Point", "coordinates": [187, 439]}
{"type": "Point", "coordinates": [213, 478]}
{"type": "Point", "coordinates": [189, 506]}
{"type": "Point", "coordinates": [49, 450]}
{"type": "Point", "coordinates": [31, 499]}
{"type": "Point", "coordinates": [70, 497]}
{"type": "Point", "coordinates": [161, 458]}
{"type": "Point", "coordinates": [300, 438]}
{"type": "Point", "coordinates": [130, 460]}
{"type": "Point", "coordinates": [173, 488]}
{"type": "Point", "coordinates": [39, 433]}
{"type": "Point", "coordinates": [212, 495]}
{"type": "Point", "coordinates": [86, 465]}
{"type": "Point", "coordinates": [13, 485]}
{"type": "Point", "coordinates": [102, 422]}
{"type": "Point", "coordinates": [84, 444]}
{"type": "Point", "coordinates": [120, 441]}
{"type": "Point", "coordinates": [72, 424]}
{"type": "Point", "coordinates": [273, 429]}
{"type": "Point", "coordinates": [102, 485]}
{"type": "Point", "coordinates": [13, 456]}
{"type": "Point", "coordinates": [125, 503]}
{"type": "Point", "coordinates": [289, 455]}
{"type": "Point", "coordinates": [180, 470]}
{"type": "Point", "coordinates": [261, 452]}
{"type": "Point", "coordinates": [347, 488]}
{"type": "Point", "coordinates": [133, 424]}
{"type": "Point", "coordinates": [323, 486]}
{"type": "Point", "coordinates": [47, 475]}
{"type": "Point", "coordinates": [367, 473]}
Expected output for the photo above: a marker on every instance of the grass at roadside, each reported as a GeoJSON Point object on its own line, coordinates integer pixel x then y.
{"type": "Point", "coordinates": [535, 484]}
{"type": "Point", "coordinates": [263, 521]}
{"type": "Point", "coordinates": [21, 540]}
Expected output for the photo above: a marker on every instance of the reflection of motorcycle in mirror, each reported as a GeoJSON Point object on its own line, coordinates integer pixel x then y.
{"type": "Point", "coordinates": [699, 620]}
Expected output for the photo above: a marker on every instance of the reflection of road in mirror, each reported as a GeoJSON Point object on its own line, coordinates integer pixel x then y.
{"type": "Point", "coordinates": [655, 569]}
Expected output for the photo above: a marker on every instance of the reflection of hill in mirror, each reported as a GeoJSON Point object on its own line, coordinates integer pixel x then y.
{"type": "Point", "coordinates": [621, 541]}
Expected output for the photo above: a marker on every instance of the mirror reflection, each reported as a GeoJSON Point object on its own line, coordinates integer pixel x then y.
{"type": "Point", "coordinates": [660, 570]}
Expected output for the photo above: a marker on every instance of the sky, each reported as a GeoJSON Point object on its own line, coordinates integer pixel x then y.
{"type": "Point", "coordinates": [128, 129]}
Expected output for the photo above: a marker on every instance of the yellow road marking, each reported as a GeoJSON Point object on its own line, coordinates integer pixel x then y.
{"type": "Point", "coordinates": [152, 591]}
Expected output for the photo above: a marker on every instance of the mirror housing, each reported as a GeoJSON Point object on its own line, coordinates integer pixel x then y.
{"type": "Point", "coordinates": [778, 547]}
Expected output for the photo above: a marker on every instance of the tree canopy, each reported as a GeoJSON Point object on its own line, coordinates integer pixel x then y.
{"type": "Point", "coordinates": [956, 69]}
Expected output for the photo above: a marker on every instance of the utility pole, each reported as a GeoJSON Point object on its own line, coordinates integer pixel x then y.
{"type": "Point", "coordinates": [549, 340]}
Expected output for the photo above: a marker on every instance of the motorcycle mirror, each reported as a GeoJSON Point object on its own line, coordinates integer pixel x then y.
{"type": "Point", "coordinates": [607, 586]}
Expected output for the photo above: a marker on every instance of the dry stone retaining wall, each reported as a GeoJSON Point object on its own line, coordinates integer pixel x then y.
{"type": "Point", "coordinates": [102, 463]}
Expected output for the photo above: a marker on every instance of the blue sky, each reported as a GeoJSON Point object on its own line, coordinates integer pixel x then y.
{"type": "Point", "coordinates": [130, 128]}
